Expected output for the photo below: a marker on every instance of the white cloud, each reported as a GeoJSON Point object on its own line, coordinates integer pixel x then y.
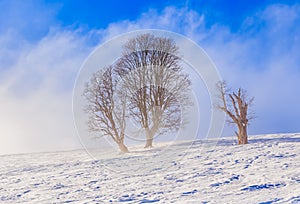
{"type": "Point", "coordinates": [180, 20]}
{"type": "Point", "coordinates": [264, 58]}
{"type": "Point", "coordinates": [36, 94]}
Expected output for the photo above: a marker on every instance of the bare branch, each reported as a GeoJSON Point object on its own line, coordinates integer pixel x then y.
{"type": "Point", "coordinates": [238, 113]}
{"type": "Point", "coordinates": [152, 75]}
{"type": "Point", "coordinates": [106, 115]}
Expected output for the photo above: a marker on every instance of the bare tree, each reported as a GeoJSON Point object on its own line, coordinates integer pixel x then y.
{"type": "Point", "coordinates": [153, 78]}
{"type": "Point", "coordinates": [106, 107]}
{"type": "Point", "coordinates": [236, 106]}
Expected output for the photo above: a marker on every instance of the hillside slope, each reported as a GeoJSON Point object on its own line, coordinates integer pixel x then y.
{"type": "Point", "coordinates": [265, 171]}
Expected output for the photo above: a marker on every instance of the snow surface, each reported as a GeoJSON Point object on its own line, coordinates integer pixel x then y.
{"type": "Point", "coordinates": [265, 171]}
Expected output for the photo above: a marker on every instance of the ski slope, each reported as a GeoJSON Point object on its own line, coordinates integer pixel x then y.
{"type": "Point", "coordinates": [267, 170]}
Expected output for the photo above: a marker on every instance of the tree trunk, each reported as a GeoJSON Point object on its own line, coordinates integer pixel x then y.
{"type": "Point", "coordinates": [149, 143]}
{"type": "Point", "coordinates": [123, 148]}
{"type": "Point", "coordinates": [242, 136]}
{"type": "Point", "coordinates": [149, 138]}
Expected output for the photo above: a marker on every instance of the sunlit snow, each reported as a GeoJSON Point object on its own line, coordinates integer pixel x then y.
{"type": "Point", "coordinates": [265, 171]}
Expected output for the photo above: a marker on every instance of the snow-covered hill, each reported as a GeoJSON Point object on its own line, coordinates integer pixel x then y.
{"type": "Point", "coordinates": [265, 171]}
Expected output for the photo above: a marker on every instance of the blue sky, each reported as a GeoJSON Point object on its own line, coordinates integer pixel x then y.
{"type": "Point", "coordinates": [35, 18]}
{"type": "Point", "coordinates": [254, 44]}
{"type": "Point", "coordinates": [97, 15]}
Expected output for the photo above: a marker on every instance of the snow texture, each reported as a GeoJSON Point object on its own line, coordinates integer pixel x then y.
{"type": "Point", "coordinates": [265, 171]}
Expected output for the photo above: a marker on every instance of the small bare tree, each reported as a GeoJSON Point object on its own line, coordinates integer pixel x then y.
{"type": "Point", "coordinates": [153, 78]}
{"type": "Point", "coordinates": [107, 114]}
{"type": "Point", "coordinates": [236, 106]}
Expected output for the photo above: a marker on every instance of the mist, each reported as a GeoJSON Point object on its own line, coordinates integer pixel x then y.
{"type": "Point", "coordinates": [39, 63]}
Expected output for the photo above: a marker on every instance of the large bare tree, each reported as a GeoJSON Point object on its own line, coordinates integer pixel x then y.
{"type": "Point", "coordinates": [236, 106]}
{"type": "Point", "coordinates": [106, 107]}
{"type": "Point", "coordinates": [153, 77]}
